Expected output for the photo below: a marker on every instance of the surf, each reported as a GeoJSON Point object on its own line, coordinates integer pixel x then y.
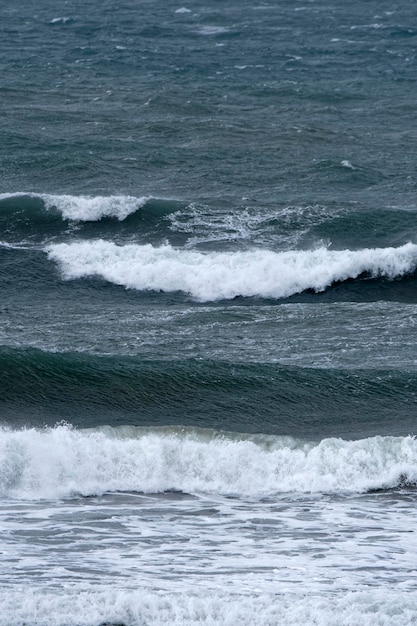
{"type": "Point", "coordinates": [211, 276]}
{"type": "Point", "coordinates": [64, 462]}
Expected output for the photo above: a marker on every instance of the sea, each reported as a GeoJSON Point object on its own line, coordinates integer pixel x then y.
{"type": "Point", "coordinates": [208, 313]}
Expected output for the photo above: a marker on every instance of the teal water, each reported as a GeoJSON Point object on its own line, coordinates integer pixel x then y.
{"type": "Point", "coordinates": [208, 263]}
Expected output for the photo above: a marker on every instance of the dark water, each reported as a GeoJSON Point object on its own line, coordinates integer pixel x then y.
{"type": "Point", "coordinates": [208, 279]}
{"type": "Point", "coordinates": [38, 387]}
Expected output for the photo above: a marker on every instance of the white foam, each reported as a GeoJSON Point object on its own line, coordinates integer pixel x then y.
{"type": "Point", "coordinates": [213, 30]}
{"type": "Point", "coordinates": [280, 228]}
{"type": "Point", "coordinates": [93, 208]}
{"type": "Point", "coordinates": [61, 462]}
{"type": "Point", "coordinates": [4, 244]}
{"type": "Point", "coordinates": [218, 275]}
{"type": "Point", "coordinates": [16, 194]}
{"type": "Point", "coordinates": [60, 20]}
{"type": "Point", "coordinates": [378, 607]}
{"type": "Point", "coordinates": [86, 208]}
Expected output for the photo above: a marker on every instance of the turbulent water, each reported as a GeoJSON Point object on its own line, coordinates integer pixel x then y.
{"type": "Point", "coordinates": [208, 305]}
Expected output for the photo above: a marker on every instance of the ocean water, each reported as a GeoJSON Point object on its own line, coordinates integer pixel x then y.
{"type": "Point", "coordinates": [208, 305]}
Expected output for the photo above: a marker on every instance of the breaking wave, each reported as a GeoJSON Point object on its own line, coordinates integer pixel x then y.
{"type": "Point", "coordinates": [76, 208]}
{"type": "Point", "coordinates": [114, 607]}
{"type": "Point", "coordinates": [225, 275]}
{"type": "Point", "coordinates": [63, 462]}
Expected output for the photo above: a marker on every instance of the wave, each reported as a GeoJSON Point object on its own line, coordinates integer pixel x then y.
{"type": "Point", "coordinates": [384, 226]}
{"type": "Point", "coordinates": [93, 208]}
{"type": "Point", "coordinates": [38, 388]}
{"type": "Point", "coordinates": [63, 462]}
{"type": "Point", "coordinates": [25, 217]}
{"type": "Point", "coordinates": [75, 208]}
{"type": "Point", "coordinates": [32, 220]}
{"type": "Point", "coordinates": [110, 606]}
{"type": "Point", "coordinates": [226, 275]}
{"type": "Point", "coordinates": [190, 223]}
{"type": "Point", "coordinates": [113, 607]}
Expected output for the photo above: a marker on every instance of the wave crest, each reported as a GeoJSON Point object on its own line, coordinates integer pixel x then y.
{"type": "Point", "coordinates": [83, 208]}
{"type": "Point", "coordinates": [111, 606]}
{"type": "Point", "coordinates": [62, 461]}
{"type": "Point", "coordinates": [225, 275]}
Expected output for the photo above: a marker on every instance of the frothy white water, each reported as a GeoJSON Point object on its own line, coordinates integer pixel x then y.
{"type": "Point", "coordinates": [281, 228]}
{"type": "Point", "coordinates": [62, 461]}
{"type": "Point", "coordinates": [93, 208]}
{"type": "Point", "coordinates": [86, 208]}
{"type": "Point", "coordinates": [218, 275]}
{"type": "Point", "coordinates": [136, 608]}
{"type": "Point", "coordinates": [60, 20]}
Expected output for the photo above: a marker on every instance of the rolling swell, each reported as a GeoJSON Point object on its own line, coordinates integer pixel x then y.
{"type": "Point", "coordinates": [367, 227]}
{"type": "Point", "coordinates": [30, 217]}
{"type": "Point", "coordinates": [38, 388]}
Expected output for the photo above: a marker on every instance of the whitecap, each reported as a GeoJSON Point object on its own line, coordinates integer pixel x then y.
{"type": "Point", "coordinates": [62, 461]}
{"type": "Point", "coordinates": [213, 30]}
{"type": "Point", "coordinates": [60, 20]}
{"type": "Point", "coordinates": [93, 208]}
{"type": "Point", "coordinates": [225, 275]}
{"type": "Point", "coordinates": [86, 208]}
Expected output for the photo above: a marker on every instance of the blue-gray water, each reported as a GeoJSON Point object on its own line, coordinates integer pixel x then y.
{"type": "Point", "coordinates": [208, 273]}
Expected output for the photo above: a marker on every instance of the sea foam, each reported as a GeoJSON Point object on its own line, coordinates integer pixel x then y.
{"type": "Point", "coordinates": [93, 208]}
{"type": "Point", "coordinates": [62, 462]}
{"type": "Point", "coordinates": [113, 607]}
{"type": "Point", "coordinates": [224, 275]}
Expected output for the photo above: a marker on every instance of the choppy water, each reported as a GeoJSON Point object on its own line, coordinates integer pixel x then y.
{"type": "Point", "coordinates": [208, 272]}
